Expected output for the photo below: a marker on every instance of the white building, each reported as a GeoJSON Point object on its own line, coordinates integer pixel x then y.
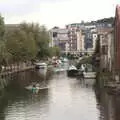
{"type": "Point", "coordinates": [54, 37]}
{"type": "Point", "coordinates": [59, 37]}
{"type": "Point", "coordinates": [80, 41]}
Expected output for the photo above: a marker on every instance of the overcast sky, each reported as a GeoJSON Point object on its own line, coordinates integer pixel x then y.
{"type": "Point", "coordinates": [56, 12]}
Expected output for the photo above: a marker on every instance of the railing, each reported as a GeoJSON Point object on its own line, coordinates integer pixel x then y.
{"type": "Point", "coordinates": [15, 68]}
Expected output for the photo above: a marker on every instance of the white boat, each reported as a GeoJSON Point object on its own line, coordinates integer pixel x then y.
{"type": "Point", "coordinates": [59, 69]}
{"type": "Point", "coordinates": [72, 67]}
{"type": "Point", "coordinates": [89, 74]}
{"type": "Point", "coordinates": [36, 87]}
{"type": "Point", "coordinates": [30, 87]}
{"type": "Point", "coordinates": [40, 65]}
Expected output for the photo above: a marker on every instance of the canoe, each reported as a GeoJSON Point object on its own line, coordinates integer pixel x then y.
{"type": "Point", "coordinates": [30, 87]}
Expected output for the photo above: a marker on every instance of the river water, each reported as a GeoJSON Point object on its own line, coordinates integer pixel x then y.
{"type": "Point", "coordinates": [65, 99]}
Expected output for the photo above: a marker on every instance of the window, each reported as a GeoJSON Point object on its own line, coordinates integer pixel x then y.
{"type": "Point", "coordinates": [54, 34]}
{"type": "Point", "coordinates": [104, 50]}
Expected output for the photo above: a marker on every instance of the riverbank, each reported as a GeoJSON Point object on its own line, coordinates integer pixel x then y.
{"type": "Point", "coordinates": [16, 69]}
{"type": "Point", "coordinates": [8, 72]}
{"type": "Point", "coordinates": [107, 81]}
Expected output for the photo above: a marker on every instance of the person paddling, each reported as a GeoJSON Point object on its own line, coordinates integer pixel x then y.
{"type": "Point", "coordinates": [34, 88]}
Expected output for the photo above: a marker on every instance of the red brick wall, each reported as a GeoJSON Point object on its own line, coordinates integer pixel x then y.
{"type": "Point", "coordinates": [117, 38]}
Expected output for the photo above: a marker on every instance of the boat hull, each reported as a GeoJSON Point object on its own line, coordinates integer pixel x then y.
{"type": "Point", "coordinates": [89, 74]}
{"type": "Point", "coordinates": [40, 65]}
{"type": "Point", "coordinates": [72, 72]}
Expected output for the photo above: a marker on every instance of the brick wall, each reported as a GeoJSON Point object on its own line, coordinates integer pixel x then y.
{"type": "Point", "coordinates": [117, 38]}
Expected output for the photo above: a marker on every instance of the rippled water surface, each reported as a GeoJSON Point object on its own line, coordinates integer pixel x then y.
{"type": "Point", "coordinates": [65, 99]}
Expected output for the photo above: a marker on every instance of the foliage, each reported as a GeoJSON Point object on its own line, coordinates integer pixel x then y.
{"type": "Point", "coordinates": [4, 54]}
{"type": "Point", "coordinates": [109, 20]}
{"type": "Point", "coordinates": [54, 51]}
{"type": "Point", "coordinates": [71, 56]}
{"type": "Point", "coordinates": [21, 45]}
{"type": "Point", "coordinates": [2, 28]}
{"type": "Point", "coordinates": [86, 60]}
{"type": "Point", "coordinates": [43, 43]}
{"type": "Point", "coordinates": [40, 36]}
{"type": "Point", "coordinates": [106, 20]}
{"type": "Point", "coordinates": [26, 41]}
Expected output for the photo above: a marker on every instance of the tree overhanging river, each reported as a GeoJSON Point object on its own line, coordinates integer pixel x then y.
{"type": "Point", "coordinates": [65, 99]}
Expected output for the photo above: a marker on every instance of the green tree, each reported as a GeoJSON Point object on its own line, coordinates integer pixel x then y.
{"type": "Point", "coordinates": [27, 41]}
{"type": "Point", "coordinates": [21, 45]}
{"type": "Point", "coordinates": [40, 36]}
{"type": "Point", "coordinates": [2, 28]}
{"type": "Point", "coordinates": [54, 51]}
{"type": "Point", "coordinates": [4, 54]}
{"type": "Point", "coordinates": [43, 43]}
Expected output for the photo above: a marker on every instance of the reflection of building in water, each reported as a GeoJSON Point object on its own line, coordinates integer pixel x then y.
{"type": "Point", "coordinates": [109, 105]}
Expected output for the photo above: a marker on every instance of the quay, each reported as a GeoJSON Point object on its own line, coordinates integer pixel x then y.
{"type": "Point", "coordinates": [19, 69]}
{"type": "Point", "coordinates": [6, 75]}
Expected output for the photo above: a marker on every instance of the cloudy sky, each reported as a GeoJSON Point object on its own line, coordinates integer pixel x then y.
{"type": "Point", "coordinates": [56, 12]}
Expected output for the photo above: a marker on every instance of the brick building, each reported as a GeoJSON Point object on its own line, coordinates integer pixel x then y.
{"type": "Point", "coordinates": [117, 38]}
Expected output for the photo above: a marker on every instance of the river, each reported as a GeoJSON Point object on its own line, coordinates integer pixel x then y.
{"type": "Point", "coordinates": [65, 99]}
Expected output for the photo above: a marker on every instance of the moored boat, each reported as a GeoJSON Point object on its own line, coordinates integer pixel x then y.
{"type": "Point", "coordinates": [89, 74]}
{"type": "Point", "coordinates": [40, 65]}
{"type": "Point", "coordinates": [72, 71]}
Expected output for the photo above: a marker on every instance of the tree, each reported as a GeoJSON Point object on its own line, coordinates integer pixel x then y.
{"type": "Point", "coordinates": [43, 43]}
{"type": "Point", "coordinates": [54, 51]}
{"type": "Point", "coordinates": [2, 28]}
{"type": "Point", "coordinates": [21, 45]}
{"type": "Point", "coordinates": [4, 55]}
{"type": "Point", "coordinates": [41, 37]}
{"type": "Point", "coordinates": [27, 42]}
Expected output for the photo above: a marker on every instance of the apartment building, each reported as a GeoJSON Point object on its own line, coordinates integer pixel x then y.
{"type": "Point", "coordinates": [82, 37]}
{"type": "Point", "coordinates": [80, 41]}
{"type": "Point", "coordinates": [59, 37]}
{"type": "Point", "coordinates": [74, 35]}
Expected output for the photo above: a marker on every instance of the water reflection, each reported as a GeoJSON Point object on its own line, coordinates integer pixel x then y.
{"type": "Point", "coordinates": [108, 105]}
{"type": "Point", "coordinates": [26, 105]}
{"type": "Point", "coordinates": [66, 99]}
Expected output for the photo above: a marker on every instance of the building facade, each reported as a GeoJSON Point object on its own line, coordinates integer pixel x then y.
{"type": "Point", "coordinates": [59, 38]}
{"type": "Point", "coordinates": [106, 49]}
{"type": "Point", "coordinates": [54, 37]}
{"type": "Point", "coordinates": [78, 37]}
{"type": "Point", "coordinates": [117, 38]}
{"type": "Point", "coordinates": [80, 41]}
{"type": "Point", "coordinates": [82, 37]}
